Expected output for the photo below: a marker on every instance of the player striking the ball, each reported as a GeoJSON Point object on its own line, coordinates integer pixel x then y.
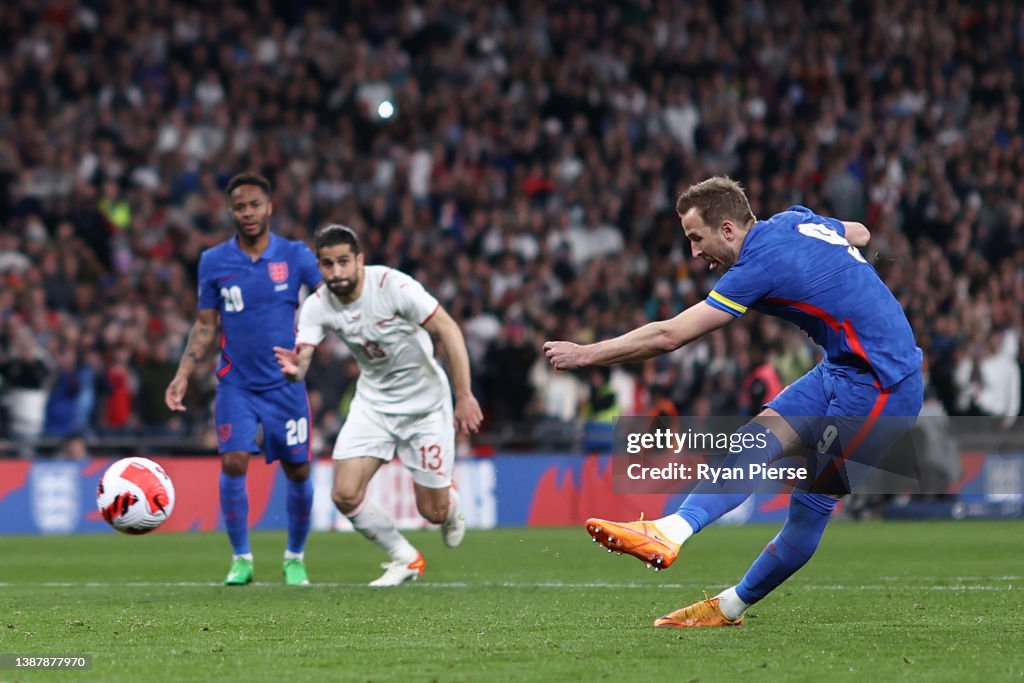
{"type": "Point", "coordinates": [402, 401]}
{"type": "Point", "coordinates": [868, 390]}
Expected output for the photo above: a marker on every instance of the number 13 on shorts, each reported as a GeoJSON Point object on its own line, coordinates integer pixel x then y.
{"type": "Point", "coordinates": [430, 457]}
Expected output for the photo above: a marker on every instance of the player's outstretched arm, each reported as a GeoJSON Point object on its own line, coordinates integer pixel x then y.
{"type": "Point", "coordinates": [199, 340]}
{"type": "Point", "coordinates": [294, 364]}
{"type": "Point", "coordinates": [653, 339]}
{"type": "Point", "coordinates": [857, 234]}
{"type": "Point", "coordinates": [468, 415]}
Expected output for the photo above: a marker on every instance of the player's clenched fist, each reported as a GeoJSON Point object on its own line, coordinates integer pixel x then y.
{"type": "Point", "coordinates": [564, 355]}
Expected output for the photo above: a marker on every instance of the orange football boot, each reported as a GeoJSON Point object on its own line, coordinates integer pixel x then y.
{"type": "Point", "coordinates": [702, 613]}
{"type": "Point", "coordinates": [641, 539]}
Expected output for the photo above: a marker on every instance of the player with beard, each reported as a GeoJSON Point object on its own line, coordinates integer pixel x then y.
{"type": "Point", "coordinates": [249, 286]}
{"type": "Point", "coordinates": [403, 399]}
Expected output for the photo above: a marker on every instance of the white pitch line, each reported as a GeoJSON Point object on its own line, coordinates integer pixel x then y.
{"type": "Point", "coordinates": [957, 587]}
{"type": "Point", "coordinates": [524, 585]}
{"type": "Point", "coordinates": [950, 578]}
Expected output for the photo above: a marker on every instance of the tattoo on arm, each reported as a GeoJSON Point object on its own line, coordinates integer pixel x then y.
{"type": "Point", "coordinates": [199, 340]}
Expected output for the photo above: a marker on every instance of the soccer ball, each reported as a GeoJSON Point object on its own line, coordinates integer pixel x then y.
{"type": "Point", "coordinates": [135, 495]}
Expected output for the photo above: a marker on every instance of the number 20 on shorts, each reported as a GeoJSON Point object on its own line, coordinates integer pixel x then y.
{"type": "Point", "coordinates": [296, 431]}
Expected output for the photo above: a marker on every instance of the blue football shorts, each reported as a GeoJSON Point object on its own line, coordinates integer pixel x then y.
{"type": "Point", "coordinates": [283, 412]}
{"type": "Point", "coordinates": [847, 421]}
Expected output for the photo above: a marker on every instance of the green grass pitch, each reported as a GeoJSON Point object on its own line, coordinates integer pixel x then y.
{"type": "Point", "coordinates": [879, 602]}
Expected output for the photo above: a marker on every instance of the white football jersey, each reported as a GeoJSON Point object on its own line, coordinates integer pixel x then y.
{"type": "Point", "coordinates": [384, 330]}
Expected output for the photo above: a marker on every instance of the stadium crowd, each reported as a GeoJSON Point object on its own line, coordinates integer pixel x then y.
{"type": "Point", "coordinates": [521, 159]}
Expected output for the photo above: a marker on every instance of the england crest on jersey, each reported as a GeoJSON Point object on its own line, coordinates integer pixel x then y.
{"type": "Point", "coordinates": [278, 271]}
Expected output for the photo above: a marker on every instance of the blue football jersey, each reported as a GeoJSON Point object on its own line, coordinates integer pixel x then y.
{"type": "Point", "coordinates": [257, 302]}
{"type": "Point", "coordinates": [798, 266]}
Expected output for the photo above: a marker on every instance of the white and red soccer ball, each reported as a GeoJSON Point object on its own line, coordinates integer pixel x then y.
{"type": "Point", "coordinates": [135, 495]}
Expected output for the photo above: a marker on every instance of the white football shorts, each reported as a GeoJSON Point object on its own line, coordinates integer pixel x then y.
{"type": "Point", "coordinates": [425, 442]}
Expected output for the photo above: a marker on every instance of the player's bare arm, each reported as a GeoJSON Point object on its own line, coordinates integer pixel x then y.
{"type": "Point", "coordinates": [857, 234]}
{"type": "Point", "coordinates": [200, 338]}
{"type": "Point", "coordinates": [468, 415]}
{"type": "Point", "coordinates": [294, 364]}
{"type": "Point", "coordinates": [653, 339]}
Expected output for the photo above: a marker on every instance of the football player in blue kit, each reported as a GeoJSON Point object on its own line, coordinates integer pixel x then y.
{"type": "Point", "coordinates": [852, 406]}
{"type": "Point", "coordinates": [249, 287]}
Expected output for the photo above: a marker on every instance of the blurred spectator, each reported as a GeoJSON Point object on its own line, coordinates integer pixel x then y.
{"type": "Point", "coordinates": [599, 411]}
{"type": "Point", "coordinates": [25, 374]}
{"type": "Point", "coordinates": [62, 414]}
{"type": "Point", "coordinates": [155, 372]}
{"type": "Point", "coordinates": [629, 390]}
{"type": "Point", "coordinates": [761, 384]}
{"type": "Point", "coordinates": [506, 373]}
{"type": "Point", "coordinates": [119, 383]}
{"type": "Point", "coordinates": [557, 395]}
{"type": "Point", "coordinates": [661, 404]}
{"type": "Point", "coordinates": [480, 327]}
{"type": "Point", "coordinates": [795, 358]}
{"type": "Point", "coordinates": [989, 381]}
{"type": "Point", "coordinates": [88, 386]}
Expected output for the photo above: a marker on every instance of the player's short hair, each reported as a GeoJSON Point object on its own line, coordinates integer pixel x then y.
{"type": "Point", "coordinates": [248, 178]}
{"type": "Point", "coordinates": [335, 234]}
{"type": "Point", "coordinates": [717, 199]}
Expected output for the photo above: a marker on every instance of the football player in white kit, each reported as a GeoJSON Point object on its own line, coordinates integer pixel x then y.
{"type": "Point", "coordinates": [403, 400]}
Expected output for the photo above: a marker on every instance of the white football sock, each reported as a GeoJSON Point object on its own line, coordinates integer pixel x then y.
{"type": "Point", "coordinates": [675, 528]}
{"type": "Point", "coordinates": [454, 504]}
{"type": "Point", "coordinates": [289, 555]}
{"type": "Point", "coordinates": [243, 556]}
{"type": "Point", "coordinates": [371, 521]}
{"type": "Point", "coordinates": [730, 604]}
